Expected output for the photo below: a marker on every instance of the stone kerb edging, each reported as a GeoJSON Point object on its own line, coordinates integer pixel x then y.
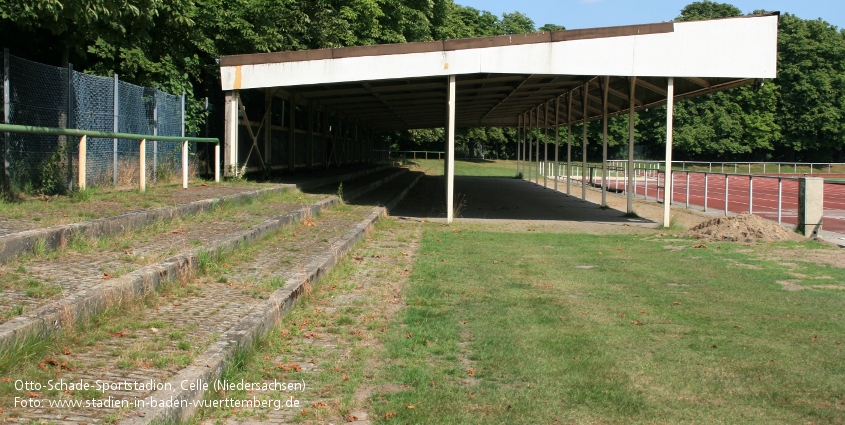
{"type": "Point", "coordinates": [15, 244]}
{"type": "Point", "coordinates": [67, 311]}
{"type": "Point", "coordinates": [210, 365]}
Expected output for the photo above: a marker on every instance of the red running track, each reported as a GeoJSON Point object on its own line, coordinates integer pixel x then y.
{"type": "Point", "coordinates": [740, 188]}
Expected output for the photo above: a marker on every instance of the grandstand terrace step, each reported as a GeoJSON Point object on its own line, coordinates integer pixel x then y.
{"type": "Point", "coordinates": [193, 325]}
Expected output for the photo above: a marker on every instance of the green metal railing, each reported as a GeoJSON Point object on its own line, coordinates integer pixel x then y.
{"type": "Point", "coordinates": [142, 138]}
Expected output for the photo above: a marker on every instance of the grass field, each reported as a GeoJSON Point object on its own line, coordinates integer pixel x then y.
{"type": "Point", "coordinates": [534, 328]}
{"type": "Point", "coordinates": [478, 168]}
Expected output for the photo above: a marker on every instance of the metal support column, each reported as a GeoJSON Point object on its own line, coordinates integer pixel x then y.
{"type": "Point", "coordinates": [7, 179]}
{"type": "Point", "coordinates": [184, 147]}
{"type": "Point", "coordinates": [632, 174]}
{"type": "Point", "coordinates": [450, 149]}
{"type": "Point", "coordinates": [604, 173]}
{"type": "Point", "coordinates": [670, 110]}
{"type": "Point", "coordinates": [230, 147]}
{"type": "Point", "coordinates": [584, 100]}
{"type": "Point", "coordinates": [116, 111]}
{"type": "Point", "coordinates": [545, 169]}
{"type": "Point", "coordinates": [518, 145]}
{"type": "Point", "coordinates": [557, 140]}
{"type": "Point", "coordinates": [530, 144]}
{"type": "Point", "coordinates": [537, 154]}
{"type": "Point", "coordinates": [568, 141]}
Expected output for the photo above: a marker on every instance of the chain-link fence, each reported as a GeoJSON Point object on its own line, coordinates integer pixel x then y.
{"type": "Point", "coordinates": [43, 95]}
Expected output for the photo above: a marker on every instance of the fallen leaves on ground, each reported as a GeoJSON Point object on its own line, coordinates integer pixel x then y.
{"type": "Point", "coordinates": [389, 415]}
{"type": "Point", "coordinates": [288, 367]}
{"type": "Point", "coordinates": [177, 232]}
{"type": "Point", "coordinates": [699, 246]}
{"type": "Point", "coordinates": [320, 405]}
{"type": "Point", "coordinates": [636, 323]}
{"type": "Point", "coordinates": [309, 222]}
{"type": "Point", "coordinates": [107, 276]}
{"type": "Point", "coordinates": [471, 372]}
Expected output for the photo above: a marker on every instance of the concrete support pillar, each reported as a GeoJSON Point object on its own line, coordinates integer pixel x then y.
{"type": "Point", "coordinates": [450, 149]}
{"type": "Point", "coordinates": [604, 173]}
{"type": "Point", "coordinates": [584, 99]}
{"type": "Point", "coordinates": [667, 184]}
{"type": "Point", "coordinates": [631, 119]}
{"type": "Point", "coordinates": [810, 203]}
{"type": "Point", "coordinates": [230, 145]}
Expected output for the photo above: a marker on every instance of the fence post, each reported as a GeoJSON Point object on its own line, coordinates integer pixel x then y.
{"type": "Point", "coordinates": [142, 176]}
{"type": "Point", "coordinates": [217, 162]}
{"type": "Point", "coordinates": [687, 197]}
{"type": "Point", "coordinates": [726, 195]}
{"type": "Point", "coordinates": [7, 178]}
{"type": "Point", "coordinates": [155, 133]}
{"type": "Point", "coordinates": [184, 148]}
{"type": "Point", "coordinates": [116, 99]}
{"type": "Point", "coordinates": [68, 124]}
{"type": "Point", "coordinates": [750, 194]}
{"type": "Point", "coordinates": [764, 168]}
{"type": "Point", "coordinates": [657, 198]}
{"type": "Point", "coordinates": [706, 175]}
{"type": "Point", "coordinates": [810, 211]}
{"type": "Point", "coordinates": [780, 198]}
{"type": "Point", "coordinates": [83, 148]}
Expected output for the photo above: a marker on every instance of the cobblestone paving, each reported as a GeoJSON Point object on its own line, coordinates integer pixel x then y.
{"type": "Point", "coordinates": [49, 212]}
{"type": "Point", "coordinates": [182, 322]}
{"type": "Point", "coordinates": [71, 271]}
{"type": "Point", "coordinates": [338, 325]}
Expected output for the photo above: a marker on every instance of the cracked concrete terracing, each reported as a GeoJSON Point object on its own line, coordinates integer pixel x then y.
{"type": "Point", "coordinates": [209, 312]}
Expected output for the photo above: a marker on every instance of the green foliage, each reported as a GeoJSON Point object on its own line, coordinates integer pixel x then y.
{"type": "Point", "coordinates": [173, 45]}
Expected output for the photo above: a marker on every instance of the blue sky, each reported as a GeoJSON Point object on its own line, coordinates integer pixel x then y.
{"type": "Point", "coordinates": [575, 14]}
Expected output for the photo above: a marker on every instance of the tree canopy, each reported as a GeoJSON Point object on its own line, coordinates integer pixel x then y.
{"type": "Point", "coordinates": [173, 44]}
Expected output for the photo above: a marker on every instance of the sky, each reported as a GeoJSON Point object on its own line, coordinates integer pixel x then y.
{"type": "Point", "coordinates": [574, 14]}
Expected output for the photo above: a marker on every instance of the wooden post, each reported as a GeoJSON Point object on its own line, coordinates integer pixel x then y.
{"type": "Point", "coordinates": [142, 176]}
{"type": "Point", "coordinates": [83, 144]}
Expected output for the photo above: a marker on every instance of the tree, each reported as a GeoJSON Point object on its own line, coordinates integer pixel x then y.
{"type": "Point", "coordinates": [551, 27]}
{"type": "Point", "coordinates": [811, 79]}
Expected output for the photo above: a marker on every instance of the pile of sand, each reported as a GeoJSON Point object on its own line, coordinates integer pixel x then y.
{"type": "Point", "coordinates": [743, 228]}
